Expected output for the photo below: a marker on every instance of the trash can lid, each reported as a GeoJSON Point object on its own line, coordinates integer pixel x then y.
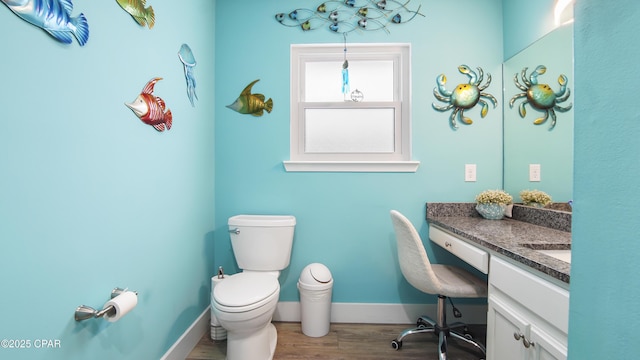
{"type": "Point", "coordinates": [315, 273]}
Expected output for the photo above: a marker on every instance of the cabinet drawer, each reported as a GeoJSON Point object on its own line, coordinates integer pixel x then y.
{"type": "Point", "coordinates": [543, 298]}
{"type": "Point", "coordinates": [473, 256]}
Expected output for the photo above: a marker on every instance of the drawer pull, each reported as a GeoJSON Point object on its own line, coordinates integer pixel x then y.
{"type": "Point", "coordinates": [525, 342]}
{"type": "Point", "coordinates": [447, 244]}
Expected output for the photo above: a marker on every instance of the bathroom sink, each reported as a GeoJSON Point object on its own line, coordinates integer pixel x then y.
{"type": "Point", "coordinates": [559, 251]}
{"type": "Point", "coordinates": [564, 255]}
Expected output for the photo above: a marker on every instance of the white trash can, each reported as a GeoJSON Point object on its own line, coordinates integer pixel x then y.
{"type": "Point", "coordinates": [315, 286]}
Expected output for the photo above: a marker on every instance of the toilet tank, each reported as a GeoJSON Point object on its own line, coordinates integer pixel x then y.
{"type": "Point", "coordinates": [262, 242]}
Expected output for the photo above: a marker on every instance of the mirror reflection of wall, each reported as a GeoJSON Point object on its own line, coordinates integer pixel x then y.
{"type": "Point", "coordinates": [526, 143]}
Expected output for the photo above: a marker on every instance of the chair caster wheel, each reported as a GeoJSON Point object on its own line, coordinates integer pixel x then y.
{"type": "Point", "coordinates": [421, 324]}
{"type": "Point", "coordinates": [396, 345]}
{"type": "Point", "coordinates": [467, 334]}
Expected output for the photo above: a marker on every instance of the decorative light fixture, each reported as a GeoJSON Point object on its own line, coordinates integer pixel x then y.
{"type": "Point", "coordinates": [563, 12]}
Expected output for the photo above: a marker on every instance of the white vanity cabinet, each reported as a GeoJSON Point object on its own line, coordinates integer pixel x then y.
{"type": "Point", "coordinates": [527, 316]}
{"type": "Point", "coordinates": [528, 313]}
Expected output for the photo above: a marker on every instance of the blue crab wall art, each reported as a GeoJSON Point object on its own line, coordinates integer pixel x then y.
{"type": "Point", "coordinates": [541, 96]}
{"type": "Point", "coordinates": [464, 96]}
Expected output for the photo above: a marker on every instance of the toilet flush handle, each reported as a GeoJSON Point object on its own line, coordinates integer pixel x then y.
{"type": "Point", "coordinates": [235, 231]}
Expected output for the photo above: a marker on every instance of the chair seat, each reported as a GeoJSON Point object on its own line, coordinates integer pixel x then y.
{"type": "Point", "coordinates": [459, 283]}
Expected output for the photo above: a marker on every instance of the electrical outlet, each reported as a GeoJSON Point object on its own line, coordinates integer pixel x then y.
{"type": "Point", "coordinates": [469, 172]}
{"type": "Point", "coordinates": [534, 172]}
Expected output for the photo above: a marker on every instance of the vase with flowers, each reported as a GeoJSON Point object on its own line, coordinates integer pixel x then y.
{"type": "Point", "coordinates": [535, 198]}
{"type": "Point", "coordinates": [491, 204]}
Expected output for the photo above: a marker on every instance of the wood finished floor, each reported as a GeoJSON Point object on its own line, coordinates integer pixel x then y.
{"type": "Point", "coordinates": [349, 342]}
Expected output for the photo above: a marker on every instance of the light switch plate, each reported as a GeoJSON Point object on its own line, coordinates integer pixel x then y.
{"type": "Point", "coordinates": [534, 172]}
{"type": "Point", "coordinates": [469, 172]}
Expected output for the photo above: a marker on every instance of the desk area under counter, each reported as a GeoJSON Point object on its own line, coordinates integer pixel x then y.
{"type": "Point", "coordinates": [528, 298]}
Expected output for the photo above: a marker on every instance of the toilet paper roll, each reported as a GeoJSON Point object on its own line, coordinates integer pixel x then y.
{"type": "Point", "coordinates": [122, 304]}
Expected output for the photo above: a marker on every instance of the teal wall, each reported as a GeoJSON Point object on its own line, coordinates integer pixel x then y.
{"type": "Point", "coordinates": [91, 197]}
{"type": "Point", "coordinates": [604, 318]}
{"type": "Point", "coordinates": [524, 22]}
{"type": "Point", "coordinates": [343, 218]}
{"type": "Point", "coordinates": [526, 143]}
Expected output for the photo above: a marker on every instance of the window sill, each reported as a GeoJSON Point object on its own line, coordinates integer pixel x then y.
{"type": "Point", "coordinates": [351, 166]}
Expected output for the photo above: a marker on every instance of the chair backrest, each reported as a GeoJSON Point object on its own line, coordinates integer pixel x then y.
{"type": "Point", "coordinates": [414, 262]}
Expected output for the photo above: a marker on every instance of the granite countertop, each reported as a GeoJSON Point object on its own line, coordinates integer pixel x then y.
{"type": "Point", "coordinates": [518, 238]}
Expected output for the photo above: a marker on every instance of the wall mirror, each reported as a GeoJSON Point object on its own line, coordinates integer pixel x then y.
{"type": "Point", "coordinates": [526, 143]}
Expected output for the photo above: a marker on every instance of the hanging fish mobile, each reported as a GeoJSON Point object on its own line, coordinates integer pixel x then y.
{"type": "Point", "coordinates": [464, 96]}
{"type": "Point", "coordinates": [541, 96]}
{"type": "Point", "coordinates": [151, 109]}
{"type": "Point", "coordinates": [136, 8]}
{"type": "Point", "coordinates": [248, 103]}
{"type": "Point", "coordinates": [349, 15]}
{"type": "Point", "coordinates": [54, 17]}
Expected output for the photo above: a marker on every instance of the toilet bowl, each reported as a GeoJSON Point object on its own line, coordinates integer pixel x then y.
{"type": "Point", "coordinates": [244, 303]}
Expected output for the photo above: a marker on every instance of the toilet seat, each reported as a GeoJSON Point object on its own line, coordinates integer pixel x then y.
{"type": "Point", "coordinates": [245, 292]}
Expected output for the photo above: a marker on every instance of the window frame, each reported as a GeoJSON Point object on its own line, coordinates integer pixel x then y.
{"type": "Point", "coordinates": [397, 161]}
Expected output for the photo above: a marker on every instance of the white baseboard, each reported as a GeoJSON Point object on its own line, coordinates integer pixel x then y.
{"type": "Point", "coordinates": [366, 313]}
{"type": "Point", "coordinates": [361, 313]}
{"type": "Point", "coordinates": [183, 346]}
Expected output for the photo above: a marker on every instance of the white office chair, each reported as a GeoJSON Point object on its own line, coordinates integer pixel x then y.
{"type": "Point", "coordinates": [442, 280]}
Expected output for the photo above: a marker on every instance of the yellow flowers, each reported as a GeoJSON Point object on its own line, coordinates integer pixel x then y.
{"type": "Point", "coordinates": [494, 197]}
{"type": "Point", "coordinates": [535, 196]}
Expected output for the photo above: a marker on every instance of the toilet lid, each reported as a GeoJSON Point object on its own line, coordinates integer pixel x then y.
{"type": "Point", "coordinates": [245, 289]}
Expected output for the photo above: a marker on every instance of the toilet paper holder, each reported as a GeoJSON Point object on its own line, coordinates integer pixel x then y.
{"type": "Point", "coordinates": [84, 312]}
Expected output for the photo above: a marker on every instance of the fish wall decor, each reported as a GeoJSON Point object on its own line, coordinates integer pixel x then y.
{"type": "Point", "coordinates": [150, 108]}
{"type": "Point", "coordinates": [188, 62]}
{"type": "Point", "coordinates": [349, 15]}
{"type": "Point", "coordinates": [136, 8]}
{"type": "Point", "coordinates": [54, 17]}
{"type": "Point", "coordinates": [248, 103]}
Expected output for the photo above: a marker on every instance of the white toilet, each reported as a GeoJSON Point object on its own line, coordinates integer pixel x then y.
{"type": "Point", "coordinates": [244, 303]}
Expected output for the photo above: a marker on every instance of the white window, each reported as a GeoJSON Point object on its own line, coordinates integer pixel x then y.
{"type": "Point", "coordinates": [332, 132]}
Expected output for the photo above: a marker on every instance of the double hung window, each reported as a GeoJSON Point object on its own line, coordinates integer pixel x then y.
{"type": "Point", "coordinates": [367, 127]}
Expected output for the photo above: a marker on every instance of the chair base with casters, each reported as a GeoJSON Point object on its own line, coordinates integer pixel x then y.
{"type": "Point", "coordinates": [445, 281]}
{"type": "Point", "coordinates": [441, 329]}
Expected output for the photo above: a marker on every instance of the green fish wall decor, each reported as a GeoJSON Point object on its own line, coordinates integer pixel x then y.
{"type": "Point", "coordinates": [136, 8]}
{"type": "Point", "coordinates": [248, 103]}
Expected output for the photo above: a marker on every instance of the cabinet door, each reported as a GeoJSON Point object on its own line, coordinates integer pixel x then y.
{"type": "Point", "coordinates": [504, 325]}
{"type": "Point", "coordinates": [547, 348]}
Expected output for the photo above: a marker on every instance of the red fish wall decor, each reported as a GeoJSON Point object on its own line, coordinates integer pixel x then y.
{"type": "Point", "coordinates": [151, 109]}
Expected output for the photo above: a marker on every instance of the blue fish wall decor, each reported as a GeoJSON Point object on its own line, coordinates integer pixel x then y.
{"type": "Point", "coordinates": [348, 15]}
{"type": "Point", "coordinates": [54, 17]}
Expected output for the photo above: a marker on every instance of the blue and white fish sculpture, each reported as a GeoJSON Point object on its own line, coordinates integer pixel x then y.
{"type": "Point", "coordinates": [54, 17]}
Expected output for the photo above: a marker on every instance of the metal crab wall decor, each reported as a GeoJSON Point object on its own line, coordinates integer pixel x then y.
{"type": "Point", "coordinates": [464, 96]}
{"type": "Point", "coordinates": [541, 96]}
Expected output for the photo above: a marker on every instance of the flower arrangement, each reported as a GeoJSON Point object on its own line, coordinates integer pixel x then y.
{"type": "Point", "coordinates": [530, 197]}
{"type": "Point", "coordinates": [494, 197]}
